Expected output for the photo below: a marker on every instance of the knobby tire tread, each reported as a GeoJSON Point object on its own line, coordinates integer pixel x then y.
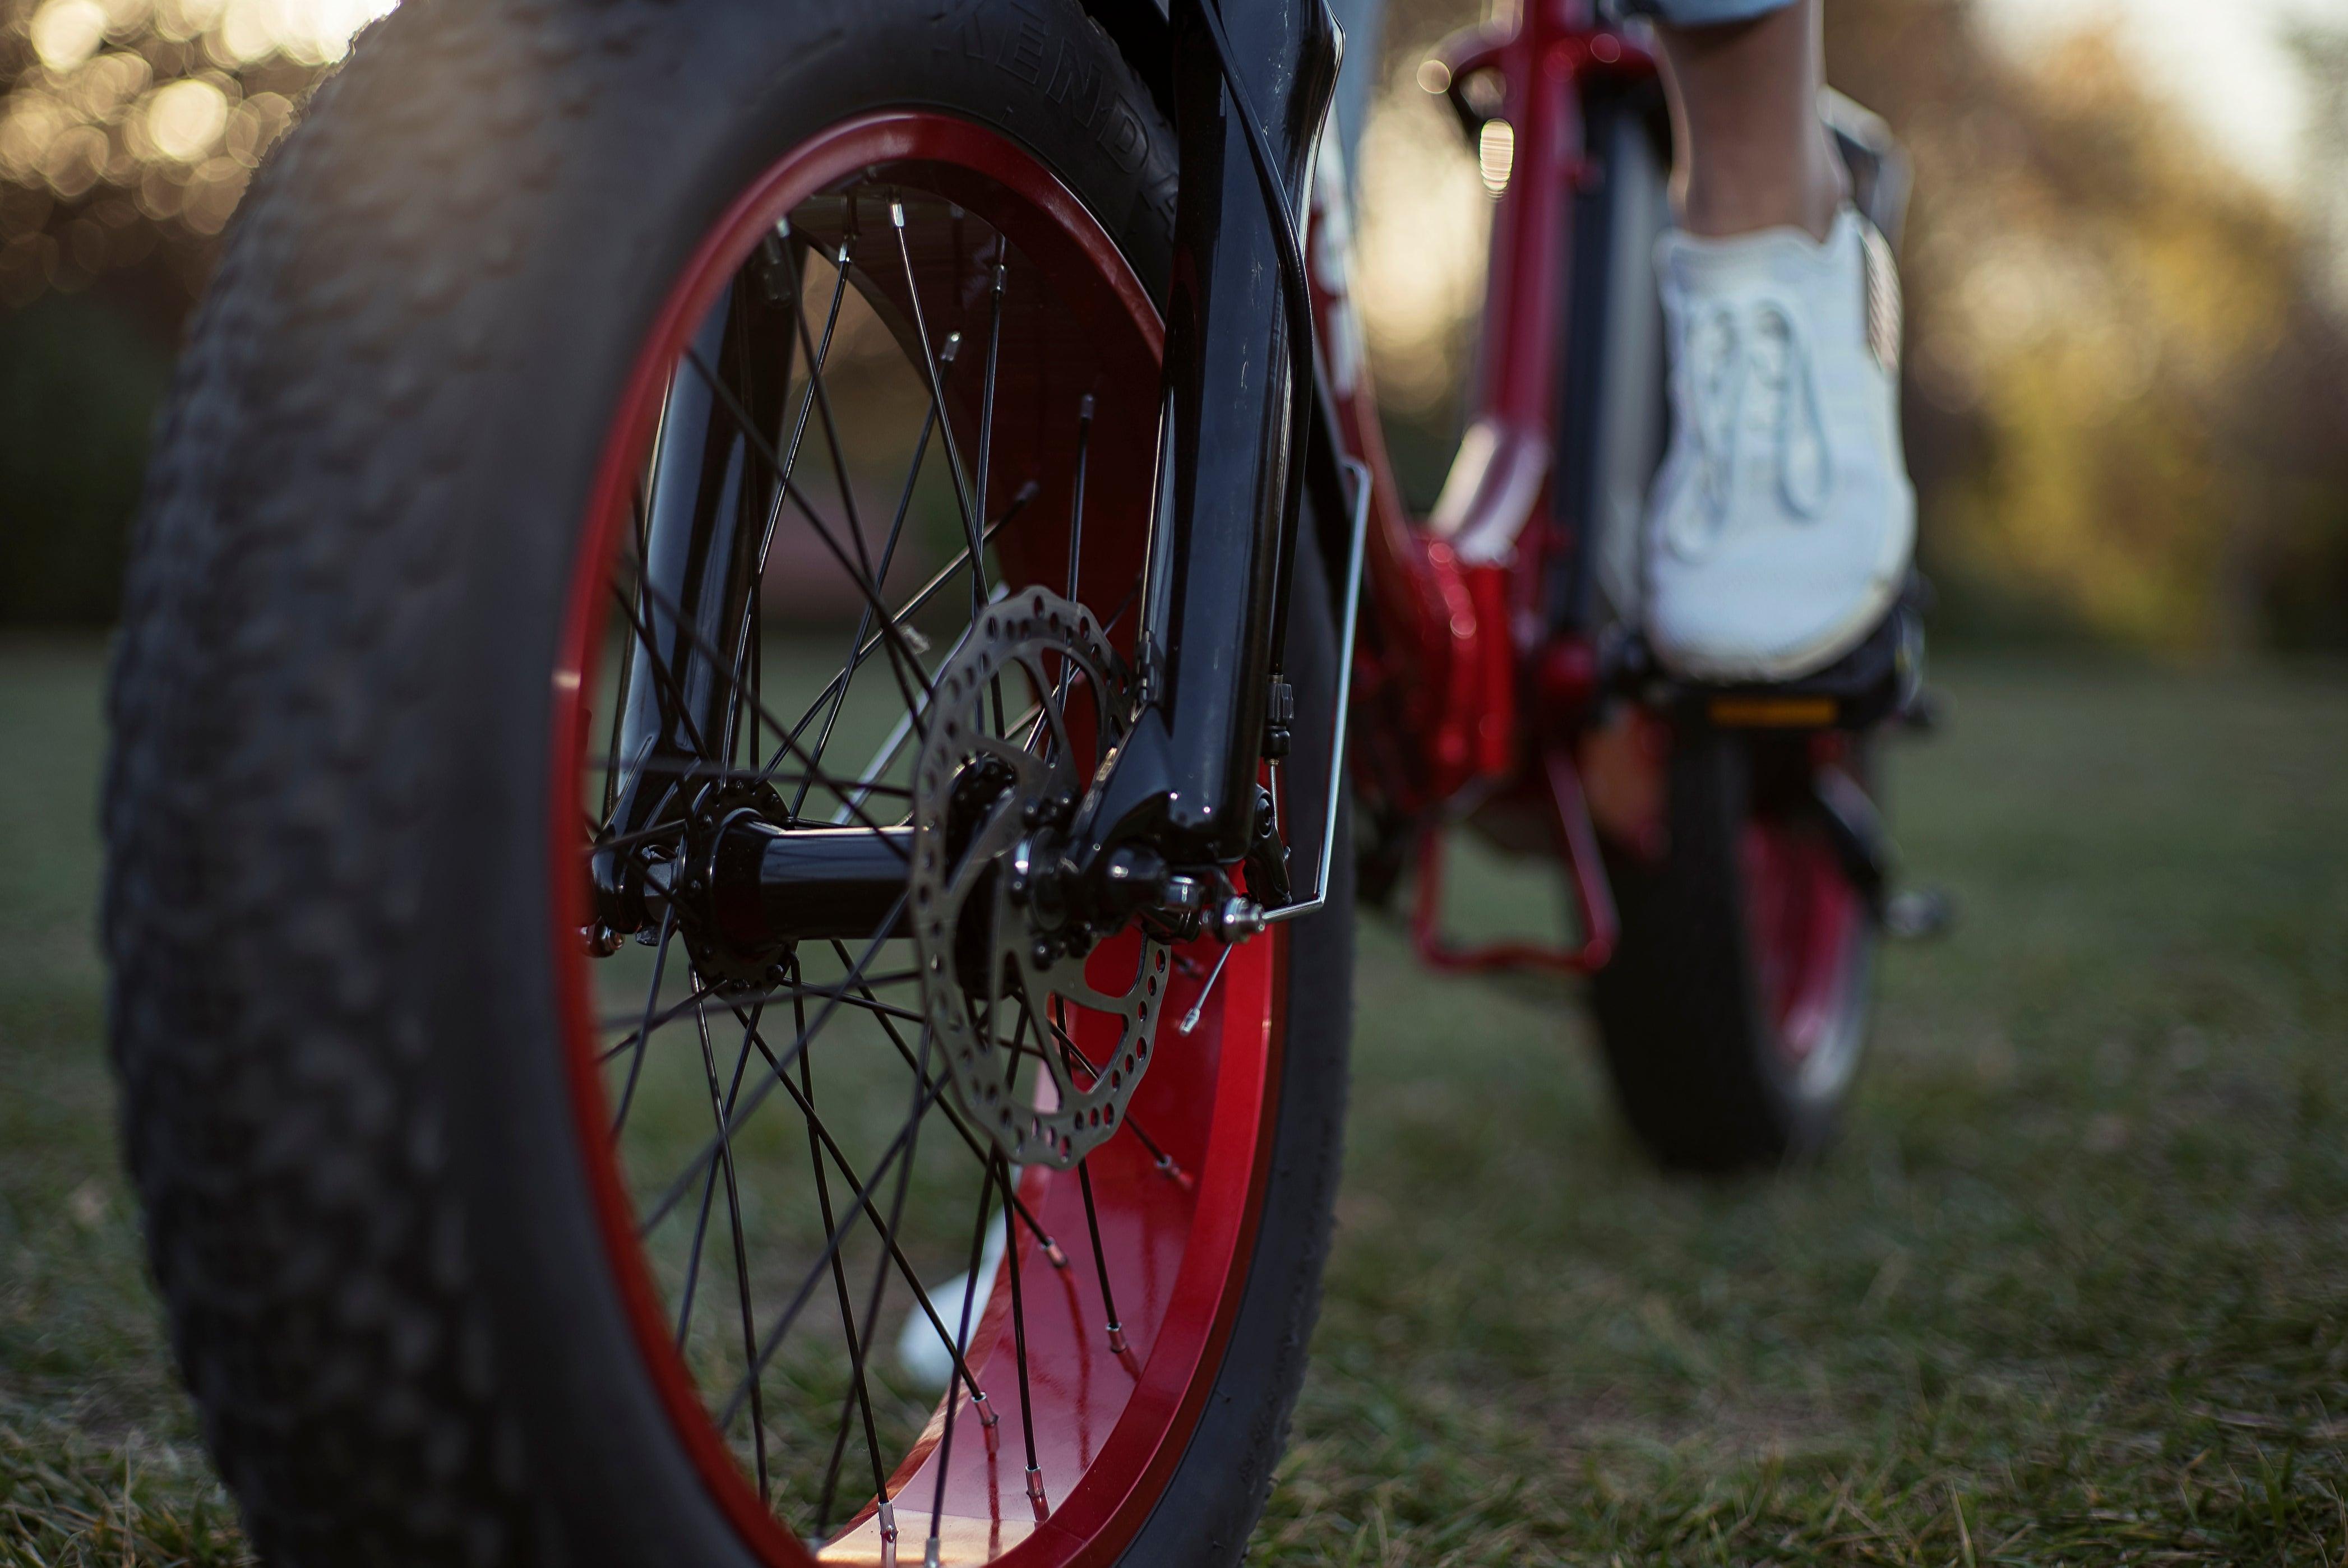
{"type": "Point", "coordinates": [279, 763]}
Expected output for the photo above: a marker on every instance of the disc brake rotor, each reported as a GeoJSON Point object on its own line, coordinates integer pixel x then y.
{"type": "Point", "coordinates": [1045, 1028]}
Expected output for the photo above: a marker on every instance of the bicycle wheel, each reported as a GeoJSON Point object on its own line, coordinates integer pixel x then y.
{"type": "Point", "coordinates": [649, 531]}
{"type": "Point", "coordinates": [1734, 1014]}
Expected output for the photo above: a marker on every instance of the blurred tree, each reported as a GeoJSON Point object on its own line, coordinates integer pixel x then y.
{"type": "Point", "coordinates": [2128, 396]}
{"type": "Point", "coordinates": [2323, 55]}
{"type": "Point", "coordinates": [128, 129]}
{"type": "Point", "coordinates": [76, 382]}
{"type": "Point", "coordinates": [2116, 339]}
{"type": "Point", "coordinates": [2128, 382]}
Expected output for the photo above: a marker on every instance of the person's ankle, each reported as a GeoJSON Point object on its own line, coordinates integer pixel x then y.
{"type": "Point", "coordinates": [1726, 202]}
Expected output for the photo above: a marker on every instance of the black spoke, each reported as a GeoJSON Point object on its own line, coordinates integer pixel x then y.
{"type": "Point", "coordinates": [822, 1134]}
{"type": "Point", "coordinates": [987, 408]}
{"type": "Point", "coordinates": [661, 1020]}
{"type": "Point", "coordinates": [832, 435]}
{"type": "Point", "coordinates": [758, 1097]}
{"type": "Point", "coordinates": [817, 359]}
{"type": "Point", "coordinates": [690, 770]}
{"type": "Point", "coordinates": [960, 1344]}
{"type": "Point", "coordinates": [627, 674]}
{"type": "Point", "coordinates": [864, 1001]}
{"type": "Point", "coordinates": [1019, 1347]}
{"type": "Point", "coordinates": [644, 1031]}
{"type": "Point", "coordinates": [898, 1149]}
{"type": "Point", "coordinates": [999, 1169]}
{"type": "Point", "coordinates": [701, 1222]}
{"type": "Point", "coordinates": [913, 606]}
{"type": "Point", "coordinates": [860, 577]}
{"type": "Point", "coordinates": [651, 835]}
{"type": "Point", "coordinates": [767, 718]}
{"type": "Point", "coordinates": [1076, 507]}
{"type": "Point", "coordinates": [888, 557]}
{"type": "Point", "coordinates": [1052, 1252]}
{"type": "Point", "coordinates": [741, 1253]}
{"type": "Point", "coordinates": [668, 693]}
{"type": "Point", "coordinates": [1115, 1324]}
{"type": "Point", "coordinates": [1075, 1058]}
{"type": "Point", "coordinates": [971, 509]}
{"type": "Point", "coordinates": [887, 1516]}
{"type": "Point", "coordinates": [856, 1342]}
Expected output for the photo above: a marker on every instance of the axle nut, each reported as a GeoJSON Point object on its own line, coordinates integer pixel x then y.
{"type": "Point", "coordinates": [1238, 919]}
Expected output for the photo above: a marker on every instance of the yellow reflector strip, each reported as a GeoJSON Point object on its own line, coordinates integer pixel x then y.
{"type": "Point", "coordinates": [1772, 712]}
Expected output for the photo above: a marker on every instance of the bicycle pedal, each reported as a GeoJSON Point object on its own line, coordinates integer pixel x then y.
{"type": "Point", "coordinates": [1919, 914]}
{"type": "Point", "coordinates": [1926, 712]}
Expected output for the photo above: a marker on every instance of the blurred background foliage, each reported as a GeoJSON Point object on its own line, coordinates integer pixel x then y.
{"type": "Point", "coordinates": [2127, 373]}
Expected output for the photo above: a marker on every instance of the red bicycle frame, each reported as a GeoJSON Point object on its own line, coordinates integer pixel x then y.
{"type": "Point", "coordinates": [1466, 690]}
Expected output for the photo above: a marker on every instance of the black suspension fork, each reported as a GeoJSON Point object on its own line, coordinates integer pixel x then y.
{"type": "Point", "coordinates": [702, 521]}
{"type": "Point", "coordinates": [1252, 83]}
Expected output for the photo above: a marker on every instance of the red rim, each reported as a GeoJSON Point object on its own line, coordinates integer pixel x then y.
{"type": "Point", "coordinates": [1805, 920]}
{"type": "Point", "coordinates": [1109, 1432]}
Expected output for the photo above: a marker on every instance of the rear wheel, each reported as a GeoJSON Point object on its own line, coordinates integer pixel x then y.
{"type": "Point", "coordinates": [1734, 1013]}
{"type": "Point", "coordinates": [537, 1171]}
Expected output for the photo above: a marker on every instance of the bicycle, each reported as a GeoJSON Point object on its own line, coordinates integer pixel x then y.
{"type": "Point", "coordinates": [551, 1074]}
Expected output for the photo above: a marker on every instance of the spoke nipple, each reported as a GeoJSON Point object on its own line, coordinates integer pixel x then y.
{"type": "Point", "coordinates": [1117, 1341]}
{"type": "Point", "coordinates": [952, 347]}
{"type": "Point", "coordinates": [986, 1415]}
{"type": "Point", "coordinates": [1084, 409]}
{"type": "Point", "coordinates": [1182, 1178]}
{"type": "Point", "coordinates": [887, 1516]}
{"type": "Point", "coordinates": [1058, 1259]}
{"type": "Point", "coordinates": [897, 216]}
{"type": "Point", "coordinates": [1035, 1492]}
{"type": "Point", "coordinates": [931, 1556]}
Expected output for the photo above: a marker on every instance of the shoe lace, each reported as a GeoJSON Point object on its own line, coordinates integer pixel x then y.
{"type": "Point", "coordinates": [1750, 378]}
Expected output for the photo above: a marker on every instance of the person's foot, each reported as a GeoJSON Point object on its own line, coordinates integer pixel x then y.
{"type": "Point", "coordinates": [1782, 524]}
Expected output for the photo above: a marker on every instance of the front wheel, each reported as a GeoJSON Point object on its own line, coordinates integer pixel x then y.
{"type": "Point", "coordinates": [653, 509]}
{"type": "Point", "coordinates": [1735, 1012]}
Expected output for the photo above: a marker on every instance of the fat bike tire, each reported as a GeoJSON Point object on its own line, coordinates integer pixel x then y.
{"type": "Point", "coordinates": [338, 955]}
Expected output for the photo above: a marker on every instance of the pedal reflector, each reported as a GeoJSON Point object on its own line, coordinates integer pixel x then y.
{"type": "Point", "coordinates": [1774, 712]}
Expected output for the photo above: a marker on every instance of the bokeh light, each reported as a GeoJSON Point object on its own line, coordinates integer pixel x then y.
{"type": "Point", "coordinates": [124, 122]}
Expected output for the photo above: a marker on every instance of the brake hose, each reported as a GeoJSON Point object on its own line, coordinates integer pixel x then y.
{"type": "Point", "coordinates": [1296, 284]}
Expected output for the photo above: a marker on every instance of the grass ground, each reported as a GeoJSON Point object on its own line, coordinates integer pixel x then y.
{"type": "Point", "coordinates": [2072, 1289]}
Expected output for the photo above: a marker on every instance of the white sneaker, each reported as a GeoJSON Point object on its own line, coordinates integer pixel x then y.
{"type": "Point", "coordinates": [1782, 523]}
